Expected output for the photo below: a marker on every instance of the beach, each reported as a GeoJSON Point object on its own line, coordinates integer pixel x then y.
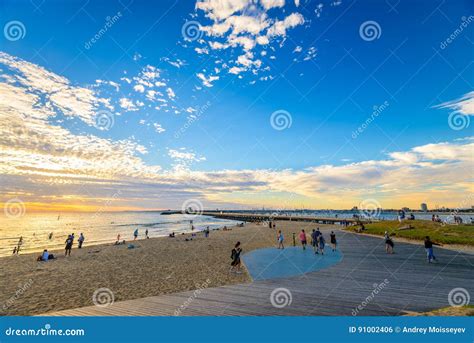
{"type": "Point", "coordinates": [155, 266]}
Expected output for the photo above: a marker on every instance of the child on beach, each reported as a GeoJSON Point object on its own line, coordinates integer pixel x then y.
{"type": "Point", "coordinates": [303, 239]}
{"type": "Point", "coordinates": [135, 234]}
{"type": "Point", "coordinates": [280, 240]}
{"type": "Point", "coordinates": [333, 241]}
{"type": "Point", "coordinates": [235, 256]}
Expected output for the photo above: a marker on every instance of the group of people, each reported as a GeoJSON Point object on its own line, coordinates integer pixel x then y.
{"type": "Point", "coordinates": [70, 241]}
{"type": "Point", "coordinates": [318, 241]}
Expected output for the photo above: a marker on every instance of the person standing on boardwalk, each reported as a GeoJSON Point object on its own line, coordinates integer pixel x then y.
{"type": "Point", "coordinates": [303, 239]}
{"type": "Point", "coordinates": [80, 240]}
{"type": "Point", "coordinates": [314, 241]}
{"type": "Point", "coordinates": [135, 234]}
{"type": "Point", "coordinates": [333, 241]}
{"type": "Point", "coordinates": [235, 256]}
{"type": "Point", "coordinates": [322, 243]}
{"type": "Point", "coordinates": [388, 243]}
{"type": "Point", "coordinates": [429, 249]}
{"type": "Point", "coordinates": [280, 239]}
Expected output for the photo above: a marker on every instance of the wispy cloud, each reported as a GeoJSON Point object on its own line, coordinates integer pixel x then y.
{"type": "Point", "coordinates": [48, 163]}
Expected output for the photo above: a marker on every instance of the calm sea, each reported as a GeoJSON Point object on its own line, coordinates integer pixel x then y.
{"type": "Point", "coordinates": [97, 228]}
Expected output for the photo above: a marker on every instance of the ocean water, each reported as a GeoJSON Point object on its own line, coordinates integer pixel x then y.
{"type": "Point", "coordinates": [97, 228]}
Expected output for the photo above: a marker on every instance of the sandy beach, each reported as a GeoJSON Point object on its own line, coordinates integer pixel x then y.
{"type": "Point", "coordinates": [155, 266]}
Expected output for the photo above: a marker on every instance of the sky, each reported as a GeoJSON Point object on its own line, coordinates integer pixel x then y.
{"type": "Point", "coordinates": [131, 105]}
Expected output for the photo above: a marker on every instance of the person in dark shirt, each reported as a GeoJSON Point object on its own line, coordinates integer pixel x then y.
{"type": "Point", "coordinates": [429, 249]}
{"type": "Point", "coordinates": [333, 240]}
{"type": "Point", "coordinates": [69, 242]}
{"type": "Point", "coordinates": [235, 256]}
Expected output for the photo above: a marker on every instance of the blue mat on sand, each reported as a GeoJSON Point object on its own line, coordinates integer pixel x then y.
{"type": "Point", "coordinates": [273, 263]}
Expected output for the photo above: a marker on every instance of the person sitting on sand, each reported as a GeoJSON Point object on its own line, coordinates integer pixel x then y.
{"type": "Point", "coordinates": [302, 238]}
{"type": "Point", "coordinates": [333, 241]}
{"type": "Point", "coordinates": [45, 256]}
{"type": "Point", "coordinates": [171, 235]}
{"type": "Point", "coordinates": [280, 239]}
{"type": "Point", "coordinates": [80, 240]}
{"type": "Point", "coordinates": [135, 234]}
{"type": "Point", "coordinates": [235, 256]}
{"type": "Point", "coordinates": [388, 243]}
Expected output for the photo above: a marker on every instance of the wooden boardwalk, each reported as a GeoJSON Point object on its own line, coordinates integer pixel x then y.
{"type": "Point", "coordinates": [411, 284]}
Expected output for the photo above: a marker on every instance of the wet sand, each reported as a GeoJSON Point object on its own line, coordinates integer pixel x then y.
{"type": "Point", "coordinates": [155, 266]}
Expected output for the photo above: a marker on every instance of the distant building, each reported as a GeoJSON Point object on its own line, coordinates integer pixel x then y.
{"type": "Point", "coordinates": [405, 209]}
{"type": "Point", "coordinates": [424, 207]}
{"type": "Point", "coordinates": [354, 208]}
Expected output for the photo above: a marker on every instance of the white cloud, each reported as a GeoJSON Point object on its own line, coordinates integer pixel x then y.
{"type": "Point", "coordinates": [127, 105]}
{"type": "Point", "coordinates": [170, 93]}
{"type": "Point", "coordinates": [139, 88]}
{"type": "Point", "coordinates": [242, 25]}
{"type": "Point", "coordinates": [158, 128]}
{"type": "Point", "coordinates": [463, 105]}
{"type": "Point", "coordinates": [207, 81]}
{"type": "Point", "coordinates": [267, 4]}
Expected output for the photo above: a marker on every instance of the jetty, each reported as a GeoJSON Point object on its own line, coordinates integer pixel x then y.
{"type": "Point", "coordinates": [269, 217]}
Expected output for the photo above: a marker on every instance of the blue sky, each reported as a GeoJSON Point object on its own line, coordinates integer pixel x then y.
{"type": "Point", "coordinates": [316, 66]}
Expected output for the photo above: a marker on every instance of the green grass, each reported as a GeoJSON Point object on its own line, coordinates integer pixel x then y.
{"type": "Point", "coordinates": [439, 233]}
{"type": "Point", "coordinates": [467, 310]}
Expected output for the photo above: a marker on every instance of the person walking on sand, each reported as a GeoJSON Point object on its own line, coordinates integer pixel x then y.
{"type": "Point", "coordinates": [322, 243]}
{"type": "Point", "coordinates": [388, 243]}
{"type": "Point", "coordinates": [135, 234]}
{"type": "Point", "coordinates": [280, 239]}
{"type": "Point", "coordinates": [69, 241]}
{"type": "Point", "coordinates": [80, 240]}
{"type": "Point", "coordinates": [303, 239]}
{"type": "Point", "coordinates": [314, 241]}
{"type": "Point", "coordinates": [333, 241]}
{"type": "Point", "coordinates": [146, 233]}
{"type": "Point", "coordinates": [429, 249]}
{"type": "Point", "coordinates": [235, 256]}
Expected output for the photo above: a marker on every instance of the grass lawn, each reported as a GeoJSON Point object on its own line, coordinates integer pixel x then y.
{"type": "Point", "coordinates": [439, 233]}
{"type": "Point", "coordinates": [467, 310]}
